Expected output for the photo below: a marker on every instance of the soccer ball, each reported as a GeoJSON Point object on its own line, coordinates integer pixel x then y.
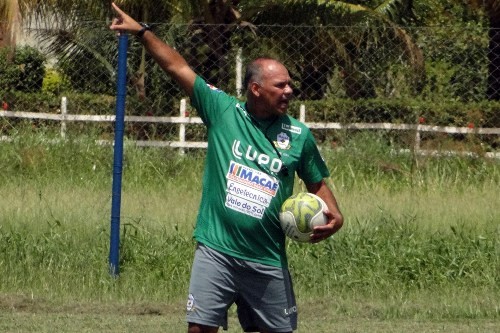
{"type": "Point", "coordinates": [300, 213]}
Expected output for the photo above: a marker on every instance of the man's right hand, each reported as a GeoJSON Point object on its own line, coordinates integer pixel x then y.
{"type": "Point", "coordinates": [123, 22]}
{"type": "Point", "coordinates": [165, 56]}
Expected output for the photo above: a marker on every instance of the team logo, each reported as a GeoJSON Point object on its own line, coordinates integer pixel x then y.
{"type": "Point", "coordinates": [282, 141]}
{"type": "Point", "coordinates": [214, 88]}
{"type": "Point", "coordinates": [190, 303]}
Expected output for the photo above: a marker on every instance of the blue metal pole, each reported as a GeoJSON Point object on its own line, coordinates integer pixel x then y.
{"type": "Point", "coordinates": [121, 88]}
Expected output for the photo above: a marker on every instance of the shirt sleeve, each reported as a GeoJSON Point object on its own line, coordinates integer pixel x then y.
{"type": "Point", "coordinates": [312, 167]}
{"type": "Point", "coordinates": [209, 101]}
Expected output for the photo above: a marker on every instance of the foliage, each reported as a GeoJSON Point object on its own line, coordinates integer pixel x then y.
{"type": "Point", "coordinates": [409, 111]}
{"type": "Point", "coordinates": [85, 57]}
{"type": "Point", "coordinates": [456, 58]}
{"type": "Point", "coordinates": [446, 13]}
{"type": "Point", "coordinates": [24, 72]}
{"type": "Point", "coordinates": [48, 102]}
{"type": "Point", "coordinates": [359, 59]}
{"type": "Point", "coordinates": [55, 83]}
{"type": "Point", "coordinates": [442, 113]}
{"type": "Point", "coordinates": [344, 111]}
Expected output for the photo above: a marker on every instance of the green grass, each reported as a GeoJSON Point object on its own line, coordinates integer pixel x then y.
{"type": "Point", "coordinates": [419, 252]}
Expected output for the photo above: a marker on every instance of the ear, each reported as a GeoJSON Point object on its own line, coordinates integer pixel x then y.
{"type": "Point", "coordinates": [255, 89]}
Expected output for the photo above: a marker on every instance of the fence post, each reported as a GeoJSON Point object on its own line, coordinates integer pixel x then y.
{"type": "Point", "coordinates": [64, 111]}
{"type": "Point", "coordinates": [302, 115]}
{"type": "Point", "coordinates": [239, 66]}
{"type": "Point", "coordinates": [182, 126]}
{"type": "Point", "coordinates": [417, 139]}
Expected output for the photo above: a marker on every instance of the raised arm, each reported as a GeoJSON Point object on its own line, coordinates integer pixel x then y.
{"type": "Point", "coordinates": [165, 56]}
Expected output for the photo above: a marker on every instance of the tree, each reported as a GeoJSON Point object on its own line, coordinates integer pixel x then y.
{"type": "Point", "coordinates": [215, 23]}
{"type": "Point", "coordinates": [69, 33]}
{"type": "Point", "coordinates": [76, 42]}
{"type": "Point", "coordinates": [9, 23]}
{"type": "Point", "coordinates": [492, 8]}
{"type": "Point", "coordinates": [481, 12]}
{"type": "Point", "coordinates": [342, 35]}
{"type": "Point", "coordinates": [212, 31]}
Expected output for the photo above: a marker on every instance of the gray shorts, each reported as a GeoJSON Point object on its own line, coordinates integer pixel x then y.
{"type": "Point", "coordinates": [263, 294]}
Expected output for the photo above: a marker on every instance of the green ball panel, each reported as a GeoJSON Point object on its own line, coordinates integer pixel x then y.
{"type": "Point", "coordinates": [304, 207]}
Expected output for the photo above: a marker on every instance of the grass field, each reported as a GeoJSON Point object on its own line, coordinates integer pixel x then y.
{"type": "Point", "coordinates": [420, 250]}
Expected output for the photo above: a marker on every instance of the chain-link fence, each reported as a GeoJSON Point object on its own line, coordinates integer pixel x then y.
{"type": "Point", "coordinates": [429, 88]}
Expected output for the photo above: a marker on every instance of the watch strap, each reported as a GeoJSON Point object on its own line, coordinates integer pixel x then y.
{"type": "Point", "coordinates": [145, 27]}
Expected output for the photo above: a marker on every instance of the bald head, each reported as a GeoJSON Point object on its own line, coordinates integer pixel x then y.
{"type": "Point", "coordinates": [268, 87]}
{"type": "Point", "coordinates": [258, 68]}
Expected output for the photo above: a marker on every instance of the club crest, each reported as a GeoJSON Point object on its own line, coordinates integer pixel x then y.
{"type": "Point", "coordinates": [282, 141]}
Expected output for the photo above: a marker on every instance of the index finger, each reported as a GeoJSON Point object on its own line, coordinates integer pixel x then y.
{"type": "Point", "coordinates": [117, 9]}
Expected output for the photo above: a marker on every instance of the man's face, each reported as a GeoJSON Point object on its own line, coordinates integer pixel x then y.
{"type": "Point", "coordinates": [274, 90]}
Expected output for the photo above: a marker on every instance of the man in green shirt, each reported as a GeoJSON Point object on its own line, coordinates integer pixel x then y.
{"type": "Point", "coordinates": [254, 151]}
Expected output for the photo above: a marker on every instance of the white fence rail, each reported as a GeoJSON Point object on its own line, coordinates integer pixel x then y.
{"type": "Point", "coordinates": [184, 120]}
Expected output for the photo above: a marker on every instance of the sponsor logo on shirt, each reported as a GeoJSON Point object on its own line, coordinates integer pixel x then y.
{"type": "Point", "coordinates": [251, 154]}
{"type": "Point", "coordinates": [291, 128]}
{"type": "Point", "coordinates": [253, 178]}
{"type": "Point", "coordinates": [249, 191]}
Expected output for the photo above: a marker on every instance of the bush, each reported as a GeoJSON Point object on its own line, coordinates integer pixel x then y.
{"type": "Point", "coordinates": [410, 111]}
{"type": "Point", "coordinates": [24, 71]}
{"type": "Point", "coordinates": [54, 82]}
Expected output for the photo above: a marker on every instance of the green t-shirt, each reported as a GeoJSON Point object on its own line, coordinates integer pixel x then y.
{"type": "Point", "coordinates": [244, 184]}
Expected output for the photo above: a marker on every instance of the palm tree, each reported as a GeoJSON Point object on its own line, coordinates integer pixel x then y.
{"type": "Point", "coordinates": [9, 22]}
{"type": "Point", "coordinates": [76, 44]}
{"type": "Point", "coordinates": [214, 23]}
{"type": "Point", "coordinates": [71, 41]}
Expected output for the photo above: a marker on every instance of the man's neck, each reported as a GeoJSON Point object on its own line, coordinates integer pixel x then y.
{"type": "Point", "coordinates": [260, 115]}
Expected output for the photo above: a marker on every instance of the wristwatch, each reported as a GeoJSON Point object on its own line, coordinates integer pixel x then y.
{"type": "Point", "coordinates": [141, 32]}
